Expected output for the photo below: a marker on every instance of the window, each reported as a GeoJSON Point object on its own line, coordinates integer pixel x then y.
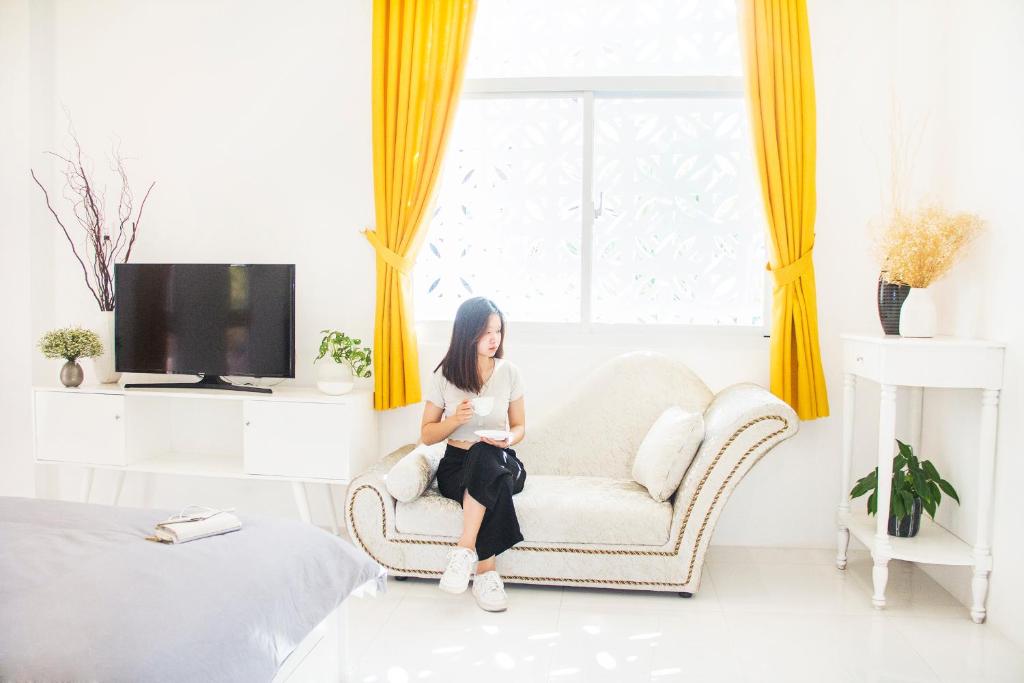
{"type": "Point", "coordinates": [600, 170]}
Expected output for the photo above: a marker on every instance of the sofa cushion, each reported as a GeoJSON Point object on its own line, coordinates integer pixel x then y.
{"type": "Point", "coordinates": [667, 451]}
{"type": "Point", "coordinates": [556, 509]}
{"type": "Point", "coordinates": [411, 475]}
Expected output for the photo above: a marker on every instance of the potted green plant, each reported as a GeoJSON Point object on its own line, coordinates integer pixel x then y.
{"type": "Point", "coordinates": [350, 362]}
{"type": "Point", "coordinates": [71, 343]}
{"type": "Point", "coordinates": [916, 485]}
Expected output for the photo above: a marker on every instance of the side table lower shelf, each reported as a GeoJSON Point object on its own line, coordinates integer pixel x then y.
{"type": "Point", "coordinates": [933, 544]}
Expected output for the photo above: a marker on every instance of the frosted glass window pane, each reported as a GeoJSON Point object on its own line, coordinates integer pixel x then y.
{"type": "Point", "coordinates": [507, 219]}
{"type": "Point", "coordinates": [528, 38]}
{"type": "Point", "coordinates": [680, 237]}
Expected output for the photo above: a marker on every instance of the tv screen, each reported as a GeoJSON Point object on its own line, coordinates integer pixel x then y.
{"type": "Point", "coordinates": [210, 319]}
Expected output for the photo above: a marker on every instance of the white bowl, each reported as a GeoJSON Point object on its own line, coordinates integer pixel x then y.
{"type": "Point", "coordinates": [334, 388]}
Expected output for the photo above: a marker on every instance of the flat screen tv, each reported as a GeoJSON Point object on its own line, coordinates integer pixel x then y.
{"type": "Point", "coordinates": [205, 319]}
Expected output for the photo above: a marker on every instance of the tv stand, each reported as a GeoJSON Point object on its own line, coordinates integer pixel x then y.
{"type": "Point", "coordinates": [296, 435]}
{"type": "Point", "coordinates": [207, 382]}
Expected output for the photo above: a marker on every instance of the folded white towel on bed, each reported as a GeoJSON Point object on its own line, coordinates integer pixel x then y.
{"type": "Point", "coordinates": [195, 522]}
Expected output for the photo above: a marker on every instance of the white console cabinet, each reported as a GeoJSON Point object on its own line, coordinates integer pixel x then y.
{"type": "Point", "coordinates": [295, 434]}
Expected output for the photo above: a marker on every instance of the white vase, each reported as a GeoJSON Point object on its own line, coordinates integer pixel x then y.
{"type": "Point", "coordinates": [333, 378]}
{"type": "Point", "coordinates": [918, 317]}
{"type": "Point", "coordinates": [104, 363]}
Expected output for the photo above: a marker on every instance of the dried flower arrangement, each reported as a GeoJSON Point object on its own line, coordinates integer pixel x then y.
{"type": "Point", "coordinates": [918, 247]}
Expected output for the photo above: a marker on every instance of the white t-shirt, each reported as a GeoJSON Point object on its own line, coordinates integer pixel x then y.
{"type": "Point", "coordinates": [505, 385]}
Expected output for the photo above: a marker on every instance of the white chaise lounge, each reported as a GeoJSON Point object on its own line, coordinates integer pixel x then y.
{"type": "Point", "coordinates": [586, 522]}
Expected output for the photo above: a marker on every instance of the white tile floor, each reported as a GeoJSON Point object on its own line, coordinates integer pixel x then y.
{"type": "Point", "coordinates": [761, 615]}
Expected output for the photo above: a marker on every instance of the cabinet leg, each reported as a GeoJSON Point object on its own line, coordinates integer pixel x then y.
{"type": "Point", "coordinates": [882, 550]}
{"type": "Point", "coordinates": [879, 577]}
{"type": "Point", "coordinates": [986, 476]}
{"type": "Point", "coordinates": [849, 407]}
{"type": "Point", "coordinates": [842, 545]}
{"type": "Point", "coordinates": [335, 526]}
{"type": "Point", "coordinates": [119, 487]}
{"type": "Point", "coordinates": [915, 401]}
{"type": "Point", "coordinates": [87, 484]}
{"type": "Point", "coordinates": [299, 490]}
{"type": "Point", "coordinates": [979, 590]}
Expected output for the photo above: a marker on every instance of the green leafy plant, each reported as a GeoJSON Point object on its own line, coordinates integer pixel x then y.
{"type": "Point", "coordinates": [345, 350]}
{"type": "Point", "coordinates": [71, 343]}
{"type": "Point", "coordinates": [911, 478]}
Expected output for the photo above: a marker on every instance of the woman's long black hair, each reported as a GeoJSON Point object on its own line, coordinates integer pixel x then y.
{"type": "Point", "coordinates": [459, 365]}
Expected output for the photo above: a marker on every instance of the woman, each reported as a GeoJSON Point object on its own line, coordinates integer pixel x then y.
{"type": "Point", "coordinates": [479, 472]}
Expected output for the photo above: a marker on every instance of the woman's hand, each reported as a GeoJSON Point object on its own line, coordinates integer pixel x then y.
{"type": "Point", "coordinates": [464, 413]}
{"type": "Point", "coordinates": [500, 444]}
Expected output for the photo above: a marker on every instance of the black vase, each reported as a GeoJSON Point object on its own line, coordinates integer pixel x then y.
{"type": "Point", "coordinates": [909, 525]}
{"type": "Point", "coordinates": [890, 300]}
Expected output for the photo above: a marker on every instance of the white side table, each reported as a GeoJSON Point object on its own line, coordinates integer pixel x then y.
{"type": "Point", "coordinates": [942, 362]}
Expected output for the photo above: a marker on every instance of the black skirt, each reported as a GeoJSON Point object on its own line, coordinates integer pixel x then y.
{"type": "Point", "coordinates": [492, 476]}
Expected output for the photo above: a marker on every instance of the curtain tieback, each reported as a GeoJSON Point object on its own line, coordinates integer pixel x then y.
{"type": "Point", "coordinates": [788, 274]}
{"type": "Point", "coordinates": [402, 264]}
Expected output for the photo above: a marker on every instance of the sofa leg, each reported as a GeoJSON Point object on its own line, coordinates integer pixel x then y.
{"type": "Point", "coordinates": [401, 578]}
{"type": "Point", "coordinates": [684, 594]}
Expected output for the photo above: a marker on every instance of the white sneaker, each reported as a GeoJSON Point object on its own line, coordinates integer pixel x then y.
{"type": "Point", "coordinates": [489, 592]}
{"type": "Point", "coordinates": [460, 565]}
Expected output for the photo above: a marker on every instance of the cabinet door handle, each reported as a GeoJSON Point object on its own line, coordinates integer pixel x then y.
{"type": "Point", "coordinates": [860, 359]}
{"type": "Point", "coordinates": [117, 417]}
{"type": "Point", "coordinates": [246, 423]}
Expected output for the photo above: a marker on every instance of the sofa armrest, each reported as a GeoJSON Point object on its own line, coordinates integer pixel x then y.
{"type": "Point", "coordinates": [378, 472]}
{"type": "Point", "coordinates": [741, 425]}
{"type": "Point", "coordinates": [376, 478]}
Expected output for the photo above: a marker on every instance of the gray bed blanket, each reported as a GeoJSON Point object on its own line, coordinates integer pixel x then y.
{"type": "Point", "coordinates": [84, 598]}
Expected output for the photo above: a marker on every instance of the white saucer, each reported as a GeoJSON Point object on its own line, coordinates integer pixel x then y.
{"type": "Point", "coordinates": [493, 434]}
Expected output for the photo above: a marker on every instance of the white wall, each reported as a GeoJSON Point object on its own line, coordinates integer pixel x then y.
{"type": "Point", "coordinates": [982, 139]}
{"type": "Point", "coordinates": [254, 118]}
{"type": "Point", "coordinates": [16, 476]}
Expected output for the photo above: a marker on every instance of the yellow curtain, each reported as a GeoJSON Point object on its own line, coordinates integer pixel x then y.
{"type": "Point", "coordinates": [419, 56]}
{"type": "Point", "coordinates": [780, 90]}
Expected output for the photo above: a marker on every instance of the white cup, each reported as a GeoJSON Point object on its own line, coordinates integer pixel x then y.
{"type": "Point", "coordinates": [483, 405]}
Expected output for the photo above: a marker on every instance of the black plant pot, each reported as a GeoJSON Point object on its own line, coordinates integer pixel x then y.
{"type": "Point", "coordinates": [890, 300]}
{"type": "Point", "coordinates": [909, 525]}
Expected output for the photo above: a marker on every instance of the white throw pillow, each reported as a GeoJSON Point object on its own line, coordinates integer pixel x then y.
{"type": "Point", "coordinates": [410, 476]}
{"type": "Point", "coordinates": [667, 451]}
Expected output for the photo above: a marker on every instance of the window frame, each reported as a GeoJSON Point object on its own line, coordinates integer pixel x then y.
{"type": "Point", "coordinates": [589, 88]}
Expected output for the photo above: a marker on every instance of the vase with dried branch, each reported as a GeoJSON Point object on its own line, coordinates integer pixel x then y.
{"type": "Point", "coordinates": [915, 249]}
{"type": "Point", "coordinates": [97, 241]}
{"type": "Point", "coordinates": [915, 246]}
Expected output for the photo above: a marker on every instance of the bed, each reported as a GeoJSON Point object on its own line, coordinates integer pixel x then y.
{"type": "Point", "coordinates": [84, 597]}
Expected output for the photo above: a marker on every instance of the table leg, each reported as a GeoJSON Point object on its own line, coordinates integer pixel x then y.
{"type": "Point", "coordinates": [87, 483]}
{"type": "Point", "coordinates": [299, 490]}
{"type": "Point", "coordinates": [119, 486]}
{"type": "Point", "coordinates": [986, 473]}
{"type": "Point", "coordinates": [916, 400]}
{"type": "Point", "coordinates": [335, 526]}
{"type": "Point", "coordinates": [882, 550]}
{"type": "Point", "coordinates": [849, 407]}
{"type": "Point", "coordinates": [147, 488]}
